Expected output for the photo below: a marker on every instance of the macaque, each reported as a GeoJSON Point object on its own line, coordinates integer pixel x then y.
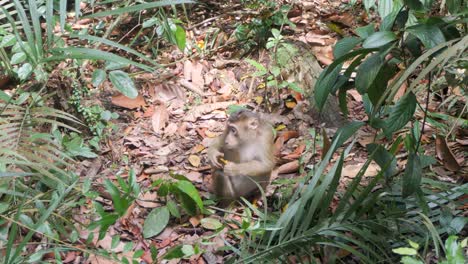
{"type": "Point", "coordinates": [241, 155]}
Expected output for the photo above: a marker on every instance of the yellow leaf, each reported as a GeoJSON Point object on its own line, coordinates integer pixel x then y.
{"type": "Point", "coordinates": [261, 86]}
{"type": "Point", "coordinates": [258, 99]}
{"type": "Point", "coordinates": [201, 44]}
{"type": "Point", "coordinates": [194, 160]}
{"type": "Point", "coordinates": [198, 148]}
{"type": "Point", "coordinates": [290, 104]}
{"type": "Point", "coordinates": [280, 127]}
{"type": "Point", "coordinates": [210, 134]}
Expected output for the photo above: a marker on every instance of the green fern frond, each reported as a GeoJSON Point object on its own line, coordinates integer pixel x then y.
{"type": "Point", "coordinates": [23, 146]}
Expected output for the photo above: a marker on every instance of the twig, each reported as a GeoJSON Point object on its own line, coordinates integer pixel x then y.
{"type": "Point", "coordinates": [428, 94]}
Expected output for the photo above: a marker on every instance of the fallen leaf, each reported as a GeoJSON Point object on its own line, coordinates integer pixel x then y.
{"type": "Point", "coordinates": [290, 104]}
{"type": "Point", "coordinates": [316, 39]}
{"type": "Point", "coordinates": [258, 100]}
{"type": "Point", "coordinates": [289, 167]}
{"type": "Point", "coordinates": [288, 134]}
{"type": "Point", "coordinates": [445, 154]}
{"type": "Point", "coordinates": [159, 118]}
{"type": "Point", "coordinates": [125, 102]}
{"type": "Point", "coordinates": [352, 170]}
{"type": "Point", "coordinates": [96, 259]}
{"type": "Point", "coordinates": [198, 148]}
{"type": "Point", "coordinates": [280, 127]}
{"type": "Point", "coordinates": [278, 146]}
{"type": "Point", "coordinates": [194, 220]}
{"type": "Point", "coordinates": [210, 134]}
{"type": "Point", "coordinates": [170, 130]}
{"type": "Point", "coordinates": [296, 153]}
{"type": "Point", "coordinates": [194, 160]}
{"type": "Point", "coordinates": [211, 223]}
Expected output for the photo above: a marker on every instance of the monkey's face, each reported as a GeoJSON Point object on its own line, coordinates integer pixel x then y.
{"type": "Point", "coordinates": [232, 139]}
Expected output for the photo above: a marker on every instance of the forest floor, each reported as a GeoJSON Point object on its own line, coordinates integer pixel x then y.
{"type": "Point", "coordinates": [169, 126]}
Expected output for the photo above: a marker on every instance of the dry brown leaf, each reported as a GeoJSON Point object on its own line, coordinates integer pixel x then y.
{"type": "Point", "coordinates": [159, 118]}
{"type": "Point", "coordinates": [316, 39]}
{"type": "Point", "coordinates": [288, 134]}
{"type": "Point", "coordinates": [148, 200]}
{"type": "Point", "coordinates": [463, 142]}
{"type": "Point", "coordinates": [289, 167]}
{"type": "Point", "coordinates": [199, 110]}
{"type": "Point", "coordinates": [290, 104]}
{"type": "Point", "coordinates": [198, 148]}
{"type": "Point", "coordinates": [445, 154]}
{"type": "Point", "coordinates": [210, 134]}
{"type": "Point", "coordinates": [96, 259]}
{"type": "Point", "coordinates": [278, 146]}
{"type": "Point", "coordinates": [194, 160]}
{"type": "Point", "coordinates": [296, 153]}
{"type": "Point", "coordinates": [106, 243]}
{"type": "Point", "coordinates": [125, 102]}
{"type": "Point", "coordinates": [197, 75]}
{"type": "Point", "coordinates": [352, 170]}
{"type": "Point", "coordinates": [170, 130]}
{"type": "Point", "coordinates": [70, 256]}
{"type": "Point", "coordinates": [195, 220]}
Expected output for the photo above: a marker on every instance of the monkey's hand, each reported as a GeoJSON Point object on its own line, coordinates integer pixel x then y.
{"type": "Point", "coordinates": [214, 156]}
{"type": "Point", "coordinates": [231, 169]}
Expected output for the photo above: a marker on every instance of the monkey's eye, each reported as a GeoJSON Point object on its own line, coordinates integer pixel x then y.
{"type": "Point", "coordinates": [233, 130]}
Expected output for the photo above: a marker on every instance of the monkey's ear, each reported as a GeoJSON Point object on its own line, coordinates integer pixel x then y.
{"type": "Point", "coordinates": [253, 123]}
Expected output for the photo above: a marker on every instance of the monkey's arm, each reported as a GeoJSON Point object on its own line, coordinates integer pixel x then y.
{"type": "Point", "coordinates": [214, 153]}
{"type": "Point", "coordinates": [252, 168]}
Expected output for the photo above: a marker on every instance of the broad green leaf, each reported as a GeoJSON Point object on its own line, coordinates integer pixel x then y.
{"type": "Point", "coordinates": [367, 72]}
{"type": "Point", "coordinates": [211, 223]}
{"type": "Point", "coordinates": [379, 39]}
{"type": "Point", "coordinates": [7, 41]}
{"type": "Point", "coordinates": [293, 86]}
{"type": "Point", "coordinates": [24, 71]}
{"type": "Point", "coordinates": [150, 22]}
{"type": "Point", "coordinates": [365, 31]}
{"type": "Point", "coordinates": [180, 251]}
{"type": "Point", "coordinates": [429, 35]}
{"type": "Point", "coordinates": [405, 251]}
{"type": "Point", "coordinates": [385, 7]}
{"type": "Point", "coordinates": [123, 83]}
{"type": "Point", "coordinates": [378, 87]}
{"type": "Point", "coordinates": [454, 251]}
{"type": "Point", "coordinates": [155, 222]}
{"type": "Point", "coordinates": [18, 58]}
{"type": "Point", "coordinates": [180, 37]}
{"type": "Point", "coordinates": [191, 191]}
{"type": "Point", "coordinates": [410, 260]}
{"type": "Point", "coordinates": [99, 76]}
{"type": "Point", "coordinates": [368, 4]}
{"type": "Point", "coordinates": [324, 85]}
{"type": "Point", "coordinates": [345, 45]}
{"type": "Point", "coordinates": [345, 132]}
{"type": "Point", "coordinates": [384, 159]}
{"type": "Point", "coordinates": [412, 175]}
{"type": "Point", "coordinates": [413, 244]}
{"type": "Point", "coordinates": [234, 108]}
{"type": "Point", "coordinates": [172, 206]}
{"type": "Point", "coordinates": [401, 113]}
{"type": "Point", "coordinates": [454, 6]}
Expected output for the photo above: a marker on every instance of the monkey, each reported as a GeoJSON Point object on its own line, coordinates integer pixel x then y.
{"type": "Point", "coordinates": [247, 147]}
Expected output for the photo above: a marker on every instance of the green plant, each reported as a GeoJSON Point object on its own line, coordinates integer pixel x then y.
{"type": "Point", "coordinates": [404, 33]}
{"type": "Point", "coordinates": [453, 251]}
{"type": "Point", "coordinates": [121, 199]}
{"type": "Point", "coordinates": [254, 32]}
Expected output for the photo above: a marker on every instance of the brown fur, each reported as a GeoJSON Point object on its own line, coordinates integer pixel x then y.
{"type": "Point", "coordinates": [247, 145]}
